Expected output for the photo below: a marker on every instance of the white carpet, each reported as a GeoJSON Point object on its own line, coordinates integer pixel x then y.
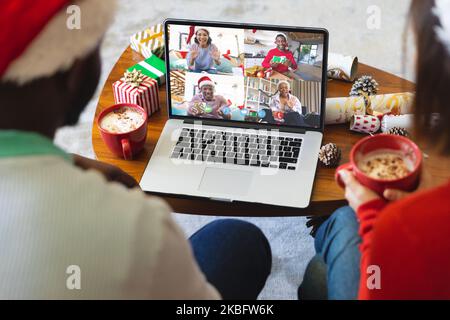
{"type": "Point", "coordinates": [347, 22]}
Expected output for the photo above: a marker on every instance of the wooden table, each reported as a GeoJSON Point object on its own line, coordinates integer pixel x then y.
{"type": "Point", "coordinates": [326, 196]}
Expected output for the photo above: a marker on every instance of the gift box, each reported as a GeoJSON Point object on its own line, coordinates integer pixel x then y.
{"type": "Point", "coordinates": [394, 104]}
{"type": "Point", "coordinates": [277, 59]}
{"type": "Point", "coordinates": [341, 110]}
{"type": "Point", "coordinates": [152, 67]}
{"type": "Point", "coordinates": [405, 121]}
{"type": "Point", "coordinates": [342, 67]}
{"type": "Point", "coordinates": [365, 124]}
{"type": "Point", "coordinates": [149, 42]}
{"type": "Point", "coordinates": [143, 92]}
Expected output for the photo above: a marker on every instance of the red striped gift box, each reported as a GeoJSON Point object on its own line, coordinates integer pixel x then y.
{"type": "Point", "coordinates": [146, 95]}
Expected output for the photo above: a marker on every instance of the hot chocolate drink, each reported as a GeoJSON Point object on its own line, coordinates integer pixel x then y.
{"type": "Point", "coordinates": [122, 120]}
{"type": "Point", "coordinates": [385, 165]}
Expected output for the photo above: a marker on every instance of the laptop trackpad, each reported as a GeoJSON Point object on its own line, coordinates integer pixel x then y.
{"type": "Point", "coordinates": [224, 181]}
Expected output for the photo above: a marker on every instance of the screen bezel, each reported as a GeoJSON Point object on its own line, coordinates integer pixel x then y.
{"type": "Point", "coordinates": [236, 123]}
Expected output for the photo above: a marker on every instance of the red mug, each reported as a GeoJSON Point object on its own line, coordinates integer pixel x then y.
{"type": "Point", "coordinates": [384, 142]}
{"type": "Point", "coordinates": [127, 144]}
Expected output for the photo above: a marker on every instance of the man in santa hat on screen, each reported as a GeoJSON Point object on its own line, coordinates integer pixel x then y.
{"type": "Point", "coordinates": [206, 104]}
{"type": "Point", "coordinates": [73, 228]}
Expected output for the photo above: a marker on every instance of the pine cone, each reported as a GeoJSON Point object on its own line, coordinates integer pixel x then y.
{"type": "Point", "coordinates": [398, 131]}
{"type": "Point", "coordinates": [330, 155]}
{"type": "Point", "coordinates": [364, 85]}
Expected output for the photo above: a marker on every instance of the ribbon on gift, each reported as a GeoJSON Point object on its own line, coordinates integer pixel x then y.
{"type": "Point", "coordinates": [152, 67]}
{"type": "Point", "coordinates": [133, 78]}
{"type": "Point", "coordinates": [365, 124]}
{"type": "Point", "coordinates": [156, 35]}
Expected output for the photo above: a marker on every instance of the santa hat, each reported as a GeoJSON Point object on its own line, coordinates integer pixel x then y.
{"type": "Point", "coordinates": [205, 81]}
{"type": "Point", "coordinates": [36, 41]}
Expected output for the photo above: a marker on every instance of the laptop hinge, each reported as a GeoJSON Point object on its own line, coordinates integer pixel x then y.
{"type": "Point", "coordinates": [244, 125]}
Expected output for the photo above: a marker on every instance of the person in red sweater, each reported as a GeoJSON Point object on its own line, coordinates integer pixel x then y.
{"type": "Point", "coordinates": [288, 66]}
{"type": "Point", "coordinates": [396, 247]}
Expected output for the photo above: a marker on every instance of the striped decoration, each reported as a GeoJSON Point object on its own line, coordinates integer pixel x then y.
{"type": "Point", "coordinates": [146, 95]}
{"type": "Point", "coordinates": [309, 93]}
{"type": "Point", "coordinates": [152, 67]}
{"type": "Point", "coordinates": [177, 83]}
{"type": "Point", "coordinates": [149, 42]}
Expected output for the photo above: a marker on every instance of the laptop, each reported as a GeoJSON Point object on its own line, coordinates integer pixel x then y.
{"type": "Point", "coordinates": [246, 109]}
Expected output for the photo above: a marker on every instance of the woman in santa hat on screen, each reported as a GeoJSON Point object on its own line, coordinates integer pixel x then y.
{"type": "Point", "coordinates": [203, 55]}
{"type": "Point", "coordinates": [74, 228]}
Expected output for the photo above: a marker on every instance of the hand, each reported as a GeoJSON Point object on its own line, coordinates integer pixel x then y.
{"type": "Point", "coordinates": [355, 193]}
{"type": "Point", "coordinates": [197, 109]}
{"type": "Point", "coordinates": [224, 116]}
{"type": "Point", "coordinates": [193, 55]}
{"type": "Point", "coordinates": [110, 172]}
{"type": "Point", "coordinates": [216, 55]}
{"type": "Point", "coordinates": [291, 103]}
{"type": "Point", "coordinates": [426, 182]}
{"type": "Point", "coordinates": [287, 63]}
{"type": "Point", "coordinates": [274, 64]}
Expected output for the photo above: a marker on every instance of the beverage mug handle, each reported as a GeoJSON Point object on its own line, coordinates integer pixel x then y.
{"type": "Point", "coordinates": [337, 176]}
{"type": "Point", "coordinates": [126, 149]}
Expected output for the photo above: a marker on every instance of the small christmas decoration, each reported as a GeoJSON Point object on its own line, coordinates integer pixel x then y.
{"type": "Point", "coordinates": [135, 87]}
{"type": "Point", "coordinates": [152, 67]}
{"type": "Point", "coordinates": [398, 131]}
{"type": "Point", "coordinates": [364, 86]}
{"type": "Point", "coordinates": [133, 78]}
{"type": "Point", "coordinates": [330, 155]}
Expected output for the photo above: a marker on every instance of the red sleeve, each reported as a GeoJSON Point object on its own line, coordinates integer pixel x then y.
{"type": "Point", "coordinates": [291, 58]}
{"type": "Point", "coordinates": [367, 215]}
{"type": "Point", "coordinates": [267, 59]}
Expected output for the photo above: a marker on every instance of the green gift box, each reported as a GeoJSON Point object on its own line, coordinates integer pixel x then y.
{"type": "Point", "coordinates": [277, 59]}
{"type": "Point", "coordinates": [152, 67]}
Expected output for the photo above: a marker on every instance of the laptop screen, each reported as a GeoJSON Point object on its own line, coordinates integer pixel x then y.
{"type": "Point", "coordinates": [261, 74]}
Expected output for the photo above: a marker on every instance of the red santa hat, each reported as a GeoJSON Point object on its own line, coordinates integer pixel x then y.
{"type": "Point", "coordinates": [205, 81]}
{"type": "Point", "coordinates": [36, 39]}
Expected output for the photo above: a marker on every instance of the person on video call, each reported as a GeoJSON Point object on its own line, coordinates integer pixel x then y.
{"type": "Point", "coordinates": [286, 68]}
{"type": "Point", "coordinates": [203, 55]}
{"type": "Point", "coordinates": [68, 222]}
{"type": "Point", "coordinates": [206, 104]}
{"type": "Point", "coordinates": [287, 104]}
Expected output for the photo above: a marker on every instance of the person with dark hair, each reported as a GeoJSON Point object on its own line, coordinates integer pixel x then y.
{"type": "Point", "coordinates": [401, 250]}
{"type": "Point", "coordinates": [75, 228]}
{"type": "Point", "coordinates": [281, 59]}
{"type": "Point", "coordinates": [203, 55]}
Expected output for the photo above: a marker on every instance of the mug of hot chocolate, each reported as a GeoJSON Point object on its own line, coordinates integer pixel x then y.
{"type": "Point", "coordinates": [383, 162]}
{"type": "Point", "coordinates": [123, 128]}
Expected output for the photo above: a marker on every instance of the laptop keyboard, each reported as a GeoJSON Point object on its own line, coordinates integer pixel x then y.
{"type": "Point", "coordinates": [256, 150]}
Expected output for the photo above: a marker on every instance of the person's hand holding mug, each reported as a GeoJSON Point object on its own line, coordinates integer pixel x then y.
{"type": "Point", "coordinates": [426, 182]}
{"type": "Point", "coordinates": [355, 193]}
